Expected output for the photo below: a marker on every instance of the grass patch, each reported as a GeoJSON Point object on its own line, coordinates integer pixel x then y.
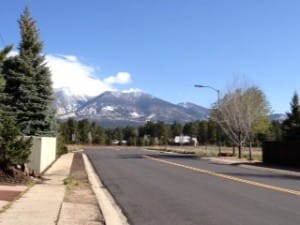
{"type": "Point", "coordinates": [174, 150]}
{"type": "Point", "coordinates": [73, 148]}
{"type": "Point", "coordinates": [208, 151]}
{"type": "Point", "coordinates": [255, 156]}
{"type": "Point", "coordinates": [70, 182]}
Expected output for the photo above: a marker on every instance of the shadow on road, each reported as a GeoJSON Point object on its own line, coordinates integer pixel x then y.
{"type": "Point", "coordinates": [271, 176]}
{"type": "Point", "coordinates": [273, 166]}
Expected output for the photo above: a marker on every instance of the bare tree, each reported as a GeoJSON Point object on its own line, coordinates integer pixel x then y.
{"type": "Point", "coordinates": [238, 112]}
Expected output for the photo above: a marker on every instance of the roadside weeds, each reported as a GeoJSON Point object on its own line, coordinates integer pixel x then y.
{"type": "Point", "coordinates": [204, 151]}
{"type": "Point", "coordinates": [80, 205]}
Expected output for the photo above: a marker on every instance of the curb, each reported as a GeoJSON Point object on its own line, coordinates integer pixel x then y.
{"type": "Point", "coordinates": [233, 162]}
{"type": "Point", "coordinates": [279, 171]}
{"type": "Point", "coordinates": [112, 213]}
{"type": "Point", "coordinates": [254, 167]}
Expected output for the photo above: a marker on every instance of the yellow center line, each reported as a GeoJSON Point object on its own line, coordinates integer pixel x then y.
{"type": "Point", "coordinates": [253, 183]}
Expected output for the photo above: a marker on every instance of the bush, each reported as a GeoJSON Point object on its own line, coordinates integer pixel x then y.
{"type": "Point", "coordinates": [13, 148]}
{"type": "Point", "coordinates": [61, 147]}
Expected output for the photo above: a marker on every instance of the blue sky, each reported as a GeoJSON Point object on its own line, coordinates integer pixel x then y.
{"type": "Point", "coordinates": [164, 47]}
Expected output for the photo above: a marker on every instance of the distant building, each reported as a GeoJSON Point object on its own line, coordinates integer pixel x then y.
{"type": "Point", "coordinates": [182, 140]}
{"type": "Point", "coordinates": [185, 140]}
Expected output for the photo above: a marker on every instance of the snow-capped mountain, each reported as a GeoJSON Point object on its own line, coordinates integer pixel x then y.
{"type": "Point", "coordinates": [196, 109]}
{"type": "Point", "coordinates": [112, 109]}
{"type": "Point", "coordinates": [66, 103]}
{"type": "Point", "coordinates": [278, 117]}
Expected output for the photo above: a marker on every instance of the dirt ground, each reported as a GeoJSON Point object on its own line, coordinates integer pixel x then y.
{"type": "Point", "coordinates": [78, 189]}
{"type": "Point", "coordinates": [17, 178]}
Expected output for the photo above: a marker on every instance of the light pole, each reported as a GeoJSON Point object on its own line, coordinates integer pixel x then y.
{"type": "Point", "coordinates": [218, 93]}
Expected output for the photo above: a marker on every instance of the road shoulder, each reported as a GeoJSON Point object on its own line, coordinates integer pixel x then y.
{"type": "Point", "coordinates": [111, 211]}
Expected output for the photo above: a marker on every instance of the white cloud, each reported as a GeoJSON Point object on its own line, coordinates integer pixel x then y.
{"type": "Point", "coordinates": [71, 58]}
{"type": "Point", "coordinates": [68, 72]}
{"type": "Point", "coordinates": [120, 78]}
{"type": "Point", "coordinates": [12, 53]}
{"type": "Point", "coordinates": [135, 115]}
{"type": "Point", "coordinates": [78, 78]}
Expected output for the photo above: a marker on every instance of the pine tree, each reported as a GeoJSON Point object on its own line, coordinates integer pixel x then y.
{"type": "Point", "coordinates": [28, 83]}
{"type": "Point", "coordinates": [4, 53]}
{"type": "Point", "coordinates": [4, 110]}
{"type": "Point", "coordinates": [3, 56]}
{"type": "Point", "coordinates": [13, 148]}
{"type": "Point", "coordinates": [291, 126]}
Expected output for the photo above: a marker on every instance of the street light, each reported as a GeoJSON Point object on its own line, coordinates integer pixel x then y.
{"type": "Point", "coordinates": [218, 93]}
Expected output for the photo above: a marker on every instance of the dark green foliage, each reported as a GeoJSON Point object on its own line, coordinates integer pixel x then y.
{"type": "Point", "coordinates": [291, 126]}
{"type": "Point", "coordinates": [69, 130]}
{"type": "Point", "coordinates": [203, 132]}
{"type": "Point", "coordinates": [190, 129]}
{"type": "Point", "coordinates": [3, 56]}
{"type": "Point", "coordinates": [141, 142]}
{"type": "Point", "coordinates": [4, 52]}
{"type": "Point", "coordinates": [99, 136]}
{"type": "Point", "coordinates": [13, 148]}
{"type": "Point", "coordinates": [28, 83]}
{"type": "Point", "coordinates": [61, 147]}
{"type": "Point", "coordinates": [275, 132]}
{"type": "Point", "coordinates": [212, 132]}
{"type": "Point", "coordinates": [149, 134]}
{"type": "Point", "coordinates": [83, 131]}
{"type": "Point", "coordinates": [176, 129]}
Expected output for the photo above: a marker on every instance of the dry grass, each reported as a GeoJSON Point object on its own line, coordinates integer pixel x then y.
{"type": "Point", "coordinates": [201, 151]}
{"type": "Point", "coordinates": [208, 151]}
{"type": "Point", "coordinates": [73, 148]}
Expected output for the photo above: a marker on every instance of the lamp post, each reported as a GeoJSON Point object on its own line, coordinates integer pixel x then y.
{"type": "Point", "coordinates": [218, 93]}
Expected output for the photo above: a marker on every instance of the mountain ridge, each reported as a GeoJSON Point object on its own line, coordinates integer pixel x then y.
{"type": "Point", "coordinates": [129, 108]}
{"type": "Point", "coordinates": [113, 109]}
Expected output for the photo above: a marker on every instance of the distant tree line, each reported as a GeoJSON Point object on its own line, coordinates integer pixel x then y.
{"type": "Point", "coordinates": [152, 133]}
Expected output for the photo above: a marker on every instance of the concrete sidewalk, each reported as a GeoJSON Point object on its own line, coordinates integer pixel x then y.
{"type": "Point", "coordinates": [49, 203]}
{"type": "Point", "coordinates": [8, 193]}
{"type": "Point", "coordinates": [41, 204]}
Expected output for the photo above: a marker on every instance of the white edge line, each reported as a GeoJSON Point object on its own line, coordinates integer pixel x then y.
{"type": "Point", "coordinates": [111, 211]}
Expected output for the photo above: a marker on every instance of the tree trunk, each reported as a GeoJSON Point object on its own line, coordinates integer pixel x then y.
{"type": "Point", "coordinates": [240, 146]}
{"type": "Point", "coordinates": [240, 150]}
{"type": "Point", "coordinates": [250, 150]}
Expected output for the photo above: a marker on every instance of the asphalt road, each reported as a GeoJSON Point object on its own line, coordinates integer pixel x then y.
{"type": "Point", "coordinates": [168, 189]}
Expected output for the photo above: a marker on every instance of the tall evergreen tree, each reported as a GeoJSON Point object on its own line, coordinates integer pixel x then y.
{"type": "Point", "coordinates": [28, 83]}
{"type": "Point", "coordinates": [291, 126]}
{"type": "Point", "coordinates": [4, 53]}
{"type": "Point", "coordinates": [3, 107]}
{"type": "Point", "coordinates": [13, 149]}
{"type": "Point", "coordinates": [3, 56]}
